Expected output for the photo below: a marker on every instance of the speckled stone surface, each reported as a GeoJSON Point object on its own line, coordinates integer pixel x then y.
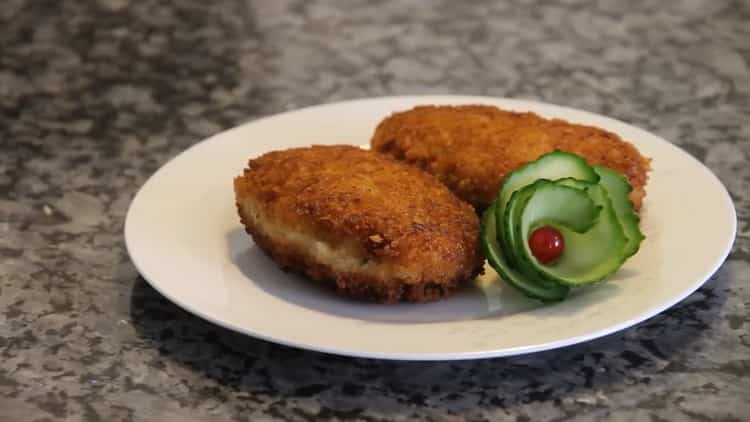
{"type": "Point", "coordinates": [96, 95]}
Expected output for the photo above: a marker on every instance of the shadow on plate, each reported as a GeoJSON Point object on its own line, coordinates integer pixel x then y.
{"type": "Point", "coordinates": [485, 298]}
{"type": "Point", "coordinates": [468, 303]}
{"type": "Point", "coordinates": [236, 366]}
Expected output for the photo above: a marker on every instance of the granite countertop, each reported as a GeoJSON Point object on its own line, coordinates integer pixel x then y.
{"type": "Point", "coordinates": [96, 95]}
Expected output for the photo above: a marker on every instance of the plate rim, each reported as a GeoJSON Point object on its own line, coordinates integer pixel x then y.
{"type": "Point", "coordinates": [440, 356]}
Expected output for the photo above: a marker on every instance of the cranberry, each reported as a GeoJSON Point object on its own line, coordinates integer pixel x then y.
{"type": "Point", "coordinates": [547, 244]}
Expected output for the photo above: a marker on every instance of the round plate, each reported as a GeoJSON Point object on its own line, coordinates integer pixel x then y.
{"type": "Point", "coordinates": [183, 234]}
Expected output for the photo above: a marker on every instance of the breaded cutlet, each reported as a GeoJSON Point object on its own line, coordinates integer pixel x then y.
{"type": "Point", "coordinates": [471, 148]}
{"type": "Point", "coordinates": [373, 228]}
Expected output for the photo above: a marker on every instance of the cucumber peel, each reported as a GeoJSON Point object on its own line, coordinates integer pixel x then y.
{"type": "Point", "coordinates": [619, 188]}
{"type": "Point", "coordinates": [588, 205]}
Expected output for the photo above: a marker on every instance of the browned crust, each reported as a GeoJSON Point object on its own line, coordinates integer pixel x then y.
{"type": "Point", "coordinates": [471, 148]}
{"type": "Point", "coordinates": [373, 206]}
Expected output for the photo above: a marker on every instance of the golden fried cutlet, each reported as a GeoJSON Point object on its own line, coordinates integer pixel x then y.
{"type": "Point", "coordinates": [374, 228]}
{"type": "Point", "coordinates": [472, 148]}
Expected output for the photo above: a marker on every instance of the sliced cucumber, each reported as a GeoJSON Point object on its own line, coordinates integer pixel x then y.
{"type": "Point", "coordinates": [588, 205]}
{"type": "Point", "coordinates": [513, 213]}
{"type": "Point", "coordinates": [573, 209]}
{"type": "Point", "coordinates": [574, 183]}
{"type": "Point", "coordinates": [618, 188]}
{"type": "Point", "coordinates": [531, 287]}
{"type": "Point", "coordinates": [552, 166]}
{"type": "Point", "coordinates": [588, 256]}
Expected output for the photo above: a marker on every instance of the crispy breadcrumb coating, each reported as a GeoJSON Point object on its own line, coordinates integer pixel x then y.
{"type": "Point", "coordinates": [374, 228]}
{"type": "Point", "coordinates": [471, 148]}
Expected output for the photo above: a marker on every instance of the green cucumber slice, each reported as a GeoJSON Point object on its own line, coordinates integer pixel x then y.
{"type": "Point", "coordinates": [618, 189]}
{"type": "Point", "coordinates": [574, 183]}
{"type": "Point", "coordinates": [544, 291]}
{"type": "Point", "coordinates": [552, 166]}
{"type": "Point", "coordinates": [589, 256]}
{"type": "Point", "coordinates": [513, 213]}
{"type": "Point", "coordinates": [574, 210]}
{"type": "Point", "coordinates": [590, 207]}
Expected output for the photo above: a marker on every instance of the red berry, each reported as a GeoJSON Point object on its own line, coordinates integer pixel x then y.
{"type": "Point", "coordinates": [546, 243]}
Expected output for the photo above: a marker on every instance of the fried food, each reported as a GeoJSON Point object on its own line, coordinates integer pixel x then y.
{"type": "Point", "coordinates": [372, 227]}
{"type": "Point", "coordinates": [471, 148]}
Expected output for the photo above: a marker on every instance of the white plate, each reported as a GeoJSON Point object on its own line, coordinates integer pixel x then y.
{"type": "Point", "coordinates": [183, 235]}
